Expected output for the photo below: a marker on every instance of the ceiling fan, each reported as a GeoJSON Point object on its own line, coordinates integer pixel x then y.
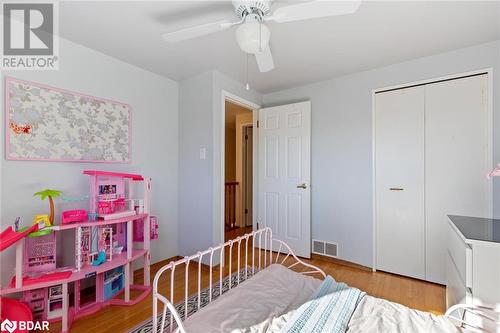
{"type": "Point", "coordinates": [253, 35]}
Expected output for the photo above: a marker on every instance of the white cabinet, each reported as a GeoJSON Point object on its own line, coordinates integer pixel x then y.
{"type": "Point", "coordinates": [432, 150]}
{"type": "Point", "coordinates": [458, 269]}
{"type": "Point", "coordinates": [472, 265]}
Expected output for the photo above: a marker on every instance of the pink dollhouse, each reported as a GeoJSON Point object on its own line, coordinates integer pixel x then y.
{"type": "Point", "coordinates": [105, 249]}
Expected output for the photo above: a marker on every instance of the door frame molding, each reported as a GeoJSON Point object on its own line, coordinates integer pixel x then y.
{"type": "Point", "coordinates": [219, 174]}
{"type": "Point", "coordinates": [242, 174]}
{"type": "Point", "coordinates": [489, 117]}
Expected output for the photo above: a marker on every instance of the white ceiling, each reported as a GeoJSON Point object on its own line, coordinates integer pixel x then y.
{"type": "Point", "coordinates": [379, 34]}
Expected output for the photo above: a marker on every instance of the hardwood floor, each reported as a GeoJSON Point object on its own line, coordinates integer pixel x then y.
{"type": "Point", "coordinates": [232, 234]}
{"type": "Point", "coordinates": [417, 294]}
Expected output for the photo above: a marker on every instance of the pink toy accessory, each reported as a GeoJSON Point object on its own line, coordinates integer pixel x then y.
{"type": "Point", "coordinates": [9, 237]}
{"type": "Point", "coordinates": [71, 216]}
{"type": "Point", "coordinates": [154, 227]}
{"type": "Point", "coordinates": [495, 172]}
{"type": "Point", "coordinates": [139, 229]}
{"type": "Point", "coordinates": [40, 253]}
{"type": "Point", "coordinates": [36, 300]}
{"type": "Point", "coordinates": [15, 311]}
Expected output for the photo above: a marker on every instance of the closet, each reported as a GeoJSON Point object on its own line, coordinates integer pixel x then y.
{"type": "Point", "coordinates": [432, 153]}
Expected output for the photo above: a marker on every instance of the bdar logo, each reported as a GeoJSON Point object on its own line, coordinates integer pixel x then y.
{"type": "Point", "coordinates": [8, 326]}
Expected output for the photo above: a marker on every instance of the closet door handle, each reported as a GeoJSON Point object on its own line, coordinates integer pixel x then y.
{"type": "Point", "coordinates": [396, 189]}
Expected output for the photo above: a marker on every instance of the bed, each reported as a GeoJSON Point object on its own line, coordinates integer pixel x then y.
{"type": "Point", "coordinates": [272, 290]}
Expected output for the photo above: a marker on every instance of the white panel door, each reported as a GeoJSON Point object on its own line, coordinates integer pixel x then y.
{"type": "Point", "coordinates": [458, 156]}
{"type": "Point", "coordinates": [284, 196]}
{"type": "Point", "coordinates": [399, 181]}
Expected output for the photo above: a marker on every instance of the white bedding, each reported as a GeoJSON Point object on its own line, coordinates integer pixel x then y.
{"type": "Point", "coordinates": [378, 315]}
{"type": "Point", "coordinates": [265, 302]}
{"type": "Point", "coordinates": [270, 293]}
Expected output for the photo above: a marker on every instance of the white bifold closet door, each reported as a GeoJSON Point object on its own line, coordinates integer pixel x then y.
{"type": "Point", "coordinates": [399, 166]}
{"type": "Point", "coordinates": [457, 158]}
{"type": "Point", "coordinates": [432, 152]}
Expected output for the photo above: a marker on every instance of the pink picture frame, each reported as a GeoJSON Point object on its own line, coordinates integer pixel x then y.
{"type": "Point", "coordinates": [27, 135]}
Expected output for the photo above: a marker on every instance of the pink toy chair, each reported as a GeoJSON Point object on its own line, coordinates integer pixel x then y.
{"type": "Point", "coordinates": [105, 207]}
{"type": "Point", "coordinates": [119, 205]}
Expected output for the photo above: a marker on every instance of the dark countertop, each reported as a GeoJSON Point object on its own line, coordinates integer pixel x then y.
{"type": "Point", "coordinates": [477, 228]}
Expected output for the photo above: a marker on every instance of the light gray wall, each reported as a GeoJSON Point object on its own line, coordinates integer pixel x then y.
{"type": "Point", "coordinates": [201, 124]}
{"type": "Point", "coordinates": [195, 175]}
{"type": "Point", "coordinates": [155, 145]}
{"type": "Point", "coordinates": [342, 141]}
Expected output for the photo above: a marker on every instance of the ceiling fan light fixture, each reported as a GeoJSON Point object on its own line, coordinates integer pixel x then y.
{"type": "Point", "coordinates": [253, 36]}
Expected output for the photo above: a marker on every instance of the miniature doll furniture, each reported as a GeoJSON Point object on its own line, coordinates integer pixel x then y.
{"type": "Point", "coordinates": [113, 282]}
{"type": "Point", "coordinates": [46, 286]}
{"type": "Point", "coordinates": [71, 216]}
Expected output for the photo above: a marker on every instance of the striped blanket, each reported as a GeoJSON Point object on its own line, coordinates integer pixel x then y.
{"type": "Point", "coordinates": [328, 310]}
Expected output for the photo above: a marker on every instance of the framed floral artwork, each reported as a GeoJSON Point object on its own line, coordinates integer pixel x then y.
{"type": "Point", "coordinates": [52, 124]}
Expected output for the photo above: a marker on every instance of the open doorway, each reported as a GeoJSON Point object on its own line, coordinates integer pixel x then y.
{"type": "Point", "coordinates": [238, 170]}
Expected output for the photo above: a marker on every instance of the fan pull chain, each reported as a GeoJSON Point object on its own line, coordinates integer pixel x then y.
{"type": "Point", "coordinates": [247, 86]}
{"type": "Point", "coordinates": [260, 36]}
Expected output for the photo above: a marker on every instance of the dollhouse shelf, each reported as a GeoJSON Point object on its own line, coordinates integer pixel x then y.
{"type": "Point", "coordinates": [105, 187]}
{"type": "Point", "coordinates": [98, 223]}
{"type": "Point", "coordinates": [118, 260]}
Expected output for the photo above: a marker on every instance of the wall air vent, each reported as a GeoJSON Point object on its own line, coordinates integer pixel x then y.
{"type": "Point", "coordinates": [325, 248]}
{"type": "Point", "coordinates": [318, 247]}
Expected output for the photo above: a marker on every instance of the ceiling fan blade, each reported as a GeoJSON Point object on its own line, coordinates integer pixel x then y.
{"type": "Point", "coordinates": [197, 31]}
{"type": "Point", "coordinates": [314, 9]}
{"type": "Point", "coordinates": [265, 60]}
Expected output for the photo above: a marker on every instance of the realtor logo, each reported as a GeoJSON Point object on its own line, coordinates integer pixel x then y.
{"type": "Point", "coordinates": [29, 38]}
{"type": "Point", "coordinates": [8, 326]}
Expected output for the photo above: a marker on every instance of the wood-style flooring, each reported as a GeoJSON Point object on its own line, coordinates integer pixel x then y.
{"type": "Point", "coordinates": [232, 234]}
{"type": "Point", "coordinates": [417, 294]}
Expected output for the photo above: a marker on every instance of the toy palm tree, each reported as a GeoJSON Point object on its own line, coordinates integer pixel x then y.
{"type": "Point", "coordinates": [49, 194]}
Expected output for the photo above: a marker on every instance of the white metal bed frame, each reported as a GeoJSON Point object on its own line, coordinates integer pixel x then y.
{"type": "Point", "coordinates": [475, 317]}
{"type": "Point", "coordinates": [264, 258]}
